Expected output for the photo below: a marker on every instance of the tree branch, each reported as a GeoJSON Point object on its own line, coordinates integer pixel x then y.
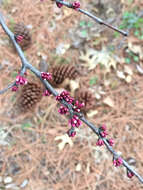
{"type": "Point", "coordinates": [98, 20]}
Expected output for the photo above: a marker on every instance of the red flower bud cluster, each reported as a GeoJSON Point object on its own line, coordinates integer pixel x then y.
{"type": "Point", "coordinates": [20, 80]}
{"type": "Point", "coordinates": [76, 5]}
{"type": "Point", "coordinates": [103, 133]}
{"type": "Point", "coordinates": [14, 88]}
{"type": "Point", "coordinates": [71, 132]}
{"type": "Point", "coordinates": [19, 38]}
{"type": "Point", "coordinates": [77, 106]}
{"type": "Point", "coordinates": [46, 93]}
{"type": "Point", "coordinates": [130, 174]}
{"type": "Point", "coordinates": [111, 142]}
{"type": "Point", "coordinates": [100, 142]}
{"type": "Point", "coordinates": [74, 121]}
{"type": "Point", "coordinates": [117, 162]}
{"type": "Point", "coordinates": [46, 76]}
{"type": "Point", "coordinates": [59, 4]}
{"type": "Point", "coordinates": [65, 96]}
{"type": "Point", "coordinates": [63, 110]}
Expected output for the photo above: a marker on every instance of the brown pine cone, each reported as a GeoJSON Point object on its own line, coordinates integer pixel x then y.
{"type": "Point", "coordinates": [30, 95]}
{"type": "Point", "coordinates": [62, 72]}
{"type": "Point", "coordinates": [21, 30]}
{"type": "Point", "coordinates": [85, 96]}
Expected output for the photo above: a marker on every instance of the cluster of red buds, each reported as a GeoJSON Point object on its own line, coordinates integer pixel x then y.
{"type": "Point", "coordinates": [46, 76]}
{"type": "Point", "coordinates": [130, 174]}
{"type": "Point", "coordinates": [71, 132]}
{"type": "Point", "coordinates": [14, 88]}
{"type": "Point", "coordinates": [103, 133]}
{"type": "Point", "coordinates": [59, 4]}
{"type": "Point", "coordinates": [77, 106]}
{"type": "Point", "coordinates": [64, 95]}
{"type": "Point", "coordinates": [20, 80]}
{"type": "Point", "coordinates": [74, 121]}
{"type": "Point", "coordinates": [63, 110]}
{"type": "Point", "coordinates": [46, 93]}
{"type": "Point", "coordinates": [117, 162]}
{"type": "Point", "coordinates": [19, 38]}
{"type": "Point", "coordinates": [76, 5]}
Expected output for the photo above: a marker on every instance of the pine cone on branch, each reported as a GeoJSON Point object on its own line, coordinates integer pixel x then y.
{"type": "Point", "coordinates": [85, 96]}
{"type": "Point", "coordinates": [22, 35]}
{"type": "Point", "coordinates": [62, 72]}
{"type": "Point", "coordinates": [30, 95]}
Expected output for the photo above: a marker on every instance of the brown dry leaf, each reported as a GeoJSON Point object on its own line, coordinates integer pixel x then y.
{"type": "Point", "coordinates": [109, 102]}
{"type": "Point", "coordinates": [128, 79]}
{"type": "Point", "coordinates": [121, 74]}
{"type": "Point", "coordinates": [103, 57]}
{"type": "Point", "coordinates": [140, 69]}
{"type": "Point", "coordinates": [128, 70]}
{"type": "Point", "coordinates": [92, 113]}
{"type": "Point", "coordinates": [78, 167]}
{"type": "Point", "coordinates": [136, 49]}
{"type": "Point", "coordinates": [65, 139]}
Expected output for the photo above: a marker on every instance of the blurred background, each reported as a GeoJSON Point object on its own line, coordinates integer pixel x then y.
{"type": "Point", "coordinates": [99, 67]}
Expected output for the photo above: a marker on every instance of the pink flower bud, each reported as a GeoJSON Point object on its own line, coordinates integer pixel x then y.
{"type": "Point", "coordinates": [103, 134]}
{"type": "Point", "coordinates": [75, 121]}
{"type": "Point", "coordinates": [59, 4]}
{"type": "Point", "coordinates": [103, 127]}
{"type": "Point", "coordinates": [20, 80]}
{"type": "Point", "coordinates": [19, 38]}
{"type": "Point", "coordinates": [111, 142]}
{"type": "Point", "coordinates": [14, 88]}
{"type": "Point", "coordinates": [63, 110]}
{"type": "Point", "coordinates": [71, 133]}
{"type": "Point", "coordinates": [65, 95]}
{"type": "Point", "coordinates": [47, 93]}
{"type": "Point", "coordinates": [76, 5]}
{"type": "Point", "coordinates": [117, 162]}
{"type": "Point", "coordinates": [77, 106]}
{"type": "Point", "coordinates": [100, 142]}
{"type": "Point", "coordinates": [130, 174]}
{"type": "Point", "coordinates": [46, 76]}
{"type": "Point", "coordinates": [58, 98]}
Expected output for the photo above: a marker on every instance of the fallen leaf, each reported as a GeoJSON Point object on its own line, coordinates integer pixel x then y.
{"type": "Point", "coordinates": [109, 102]}
{"type": "Point", "coordinates": [128, 70]}
{"type": "Point", "coordinates": [78, 167]}
{"type": "Point", "coordinates": [136, 49]}
{"type": "Point", "coordinates": [120, 74]}
{"type": "Point", "coordinates": [88, 168]}
{"type": "Point", "coordinates": [92, 113]}
{"type": "Point", "coordinates": [103, 57]}
{"type": "Point", "coordinates": [128, 79]}
{"type": "Point", "coordinates": [140, 69]}
{"type": "Point", "coordinates": [62, 48]}
{"type": "Point", "coordinates": [65, 139]}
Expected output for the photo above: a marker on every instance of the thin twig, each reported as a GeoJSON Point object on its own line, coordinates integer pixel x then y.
{"type": "Point", "coordinates": [8, 87]}
{"type": "Point", "coordinates": [98, 20]}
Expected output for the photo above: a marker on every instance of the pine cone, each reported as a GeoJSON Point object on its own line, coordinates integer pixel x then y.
{"type": "Point", "coordinates": [31, 94]}
{"type": "Point", "coordinates": [21, 30]}
{"type": "Point", "coordinates": [61, 72]}
{"type": "Point", "coordinates": [85, 96]}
